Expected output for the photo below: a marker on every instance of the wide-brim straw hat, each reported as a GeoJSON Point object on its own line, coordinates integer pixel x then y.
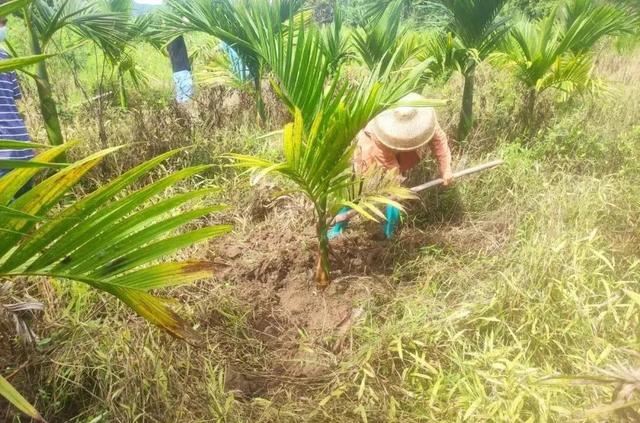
{"type": "Point", "coordinates": [405, 128]}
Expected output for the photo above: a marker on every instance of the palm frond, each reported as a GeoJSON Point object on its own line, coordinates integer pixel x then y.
{"type": "Point", "coordinates": [108, 239]}
{"type": "Point", "coordinates": [380, 37]}
{"type": "Point", "coordinates": [477, 23]}
{"type": "Point", "coordinates": [555, 52]}
{"type": "Point", "coordinates": [14, 397]}
{"type": "Point", "coordinates": [12, 6]}
{"type": "Point", "coordinates": [336, 41]}
{"type": "Point", "coordinates": [109, 30]}
{"type": "Point", "coordinates": [583, 23]}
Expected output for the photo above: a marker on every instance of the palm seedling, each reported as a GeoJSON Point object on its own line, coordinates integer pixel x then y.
{"type": "Point", "coordinates": [238, 23]}
{"type": "Point", "coordinates": [475, 29]}
{"type": "Point", "coordinates": [46, 18]}
{"type": "Point", "coordinates": [556, 52]}
{"type": "Point", "coordinates": [327, 114]}
{"type": "Point", "coordinates": [123, 62]}
{"type": "Point", "coordinates": [381, 36]}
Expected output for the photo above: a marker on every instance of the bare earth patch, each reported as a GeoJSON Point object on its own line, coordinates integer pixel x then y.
{"type": "Point", "coordinates": [269, 268]}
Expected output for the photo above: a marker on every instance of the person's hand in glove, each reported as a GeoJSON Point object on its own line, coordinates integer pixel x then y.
{"type": "Point", "coordinates": [338, 229]}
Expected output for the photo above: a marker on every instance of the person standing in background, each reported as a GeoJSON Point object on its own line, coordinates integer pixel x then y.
{"type": "Point", "coordinates": [181, 66]}
{"type": "Point", "coordinates": [177, 49]}
{"type": "Point", "coordinates": [12, 125]}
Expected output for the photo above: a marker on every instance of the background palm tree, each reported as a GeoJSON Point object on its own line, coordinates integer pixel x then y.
{"type": "Point", "coordinates": [123, 62]}
{"type": "Point", "coordinates": [233, 22]}
{"type": "Point", "coordinates": [337, 39]}
{"type": "Point", "coordinates": [476, 29]}
{"type": "Point", "coordinates": [556, 52]}
{"type": "Point", "coordinates": [46, 18]}
{"type": "Point", "coordinates": [380, 36]}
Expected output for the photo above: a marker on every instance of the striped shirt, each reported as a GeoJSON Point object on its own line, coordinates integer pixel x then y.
{"type": "Point", "coordinates": [12, 126]}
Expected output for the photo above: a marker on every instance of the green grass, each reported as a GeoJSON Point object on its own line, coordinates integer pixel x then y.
{"type": "Point", "coordinates": [537, 277]}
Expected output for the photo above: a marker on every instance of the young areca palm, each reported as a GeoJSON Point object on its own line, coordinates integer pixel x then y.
{"type": "Point", "coordinates": [477, 29]}
{"type": "Point", "coordinates": [45, 19]}
{"type": "Point", "coordinates": [381, 36]}
{"type": "Point", "coordinates": [123, 62]}
{"type": "Point", "coordinates": [327, 114]}
{"type": "Point", "coordinates": [555, 52]}
{"type": "Point", "coordinates": [237, 23]}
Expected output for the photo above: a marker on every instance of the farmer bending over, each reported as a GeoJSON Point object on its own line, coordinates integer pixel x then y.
{"type": "Point", "coordinates": [12, 126]}
{"type": "Point", "coordinates": [398, 139]}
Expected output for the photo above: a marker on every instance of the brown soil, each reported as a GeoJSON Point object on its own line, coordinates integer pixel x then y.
{"type": "Point", "coordinates": [269, 268]}
{"type": "Point", "coordinates": [276, 267]}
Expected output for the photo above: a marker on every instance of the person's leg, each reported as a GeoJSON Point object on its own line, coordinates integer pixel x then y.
{"type": "Point", "coordinates": [183, 82]}
{"type": "Point", "coordinates": [393, 221]}
{"type": "Point", "coordinates": [181, 66]}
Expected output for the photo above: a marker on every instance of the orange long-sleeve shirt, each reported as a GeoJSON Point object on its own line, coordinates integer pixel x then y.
{"type": "Point", "coordinates": [370, 152]}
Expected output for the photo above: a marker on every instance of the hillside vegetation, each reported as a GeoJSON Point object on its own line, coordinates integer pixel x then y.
{"type": "Point", "coordinates": [512, 296]}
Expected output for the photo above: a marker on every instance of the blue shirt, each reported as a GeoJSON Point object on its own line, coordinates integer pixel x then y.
{"type": "Point", "coordinates": [12, 126]}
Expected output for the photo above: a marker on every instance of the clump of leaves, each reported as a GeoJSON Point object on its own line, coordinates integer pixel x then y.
{"type": "Point", "coordinates": [556, 52]}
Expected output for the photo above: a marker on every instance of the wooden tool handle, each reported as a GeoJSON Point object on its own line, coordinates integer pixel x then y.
{"type": "Point", "coordinates": [436, 182]}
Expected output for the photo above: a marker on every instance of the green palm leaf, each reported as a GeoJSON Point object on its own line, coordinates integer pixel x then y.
{"type": "Point", "coordinates": [107, 29]}
{"type": "Point", "coordinates": [15, 398]}
{"type": "Point", "coordinates": [7, 65]}
{"type": "Point", "coordinates": [108, 239]}
{"type": "Point", "coordinates": [12, 6]}
{"type": "Point", "coordinates": [381, 36]}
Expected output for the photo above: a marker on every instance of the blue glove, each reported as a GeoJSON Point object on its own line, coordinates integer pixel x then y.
{"type": "Point", "coordinates": [339, 228]}
{"type": "Point", "coordinates": [393, 221]}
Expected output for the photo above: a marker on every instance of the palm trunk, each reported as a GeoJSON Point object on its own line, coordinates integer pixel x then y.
{"type": "Point", "coordinates": [466, 113]}
{"type": "Point", "coordinates": [48, 106]}
{"type": "Point", "coordinates": [323, 268]}
{"type": "Point", "coordinates": [124, 98]}
{"type": "Point", "coordinates": [532, 97]}
{"type": "Point", "coordinates": [257, 85]}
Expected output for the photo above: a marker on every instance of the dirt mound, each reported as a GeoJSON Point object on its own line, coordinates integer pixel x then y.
{"type": "Point", "coordinates": [269, 267]}
{"type": "Point", "coordinates": [273, 262]}
{"type": "Point", "coordinates": [276, 268]}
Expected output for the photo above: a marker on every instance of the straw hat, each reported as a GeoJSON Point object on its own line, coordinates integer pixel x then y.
{"type": "Point", "coordinates": [405, 128]}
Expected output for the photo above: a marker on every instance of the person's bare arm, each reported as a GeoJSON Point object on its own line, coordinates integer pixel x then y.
{"type": "Point", "coordinates": [439, 145]}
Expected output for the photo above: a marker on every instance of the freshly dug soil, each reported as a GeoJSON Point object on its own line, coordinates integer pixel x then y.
{"type": "Point", "coordinates": [275, 266]}
{"type": "Point", "coordinates": [269, 270]}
